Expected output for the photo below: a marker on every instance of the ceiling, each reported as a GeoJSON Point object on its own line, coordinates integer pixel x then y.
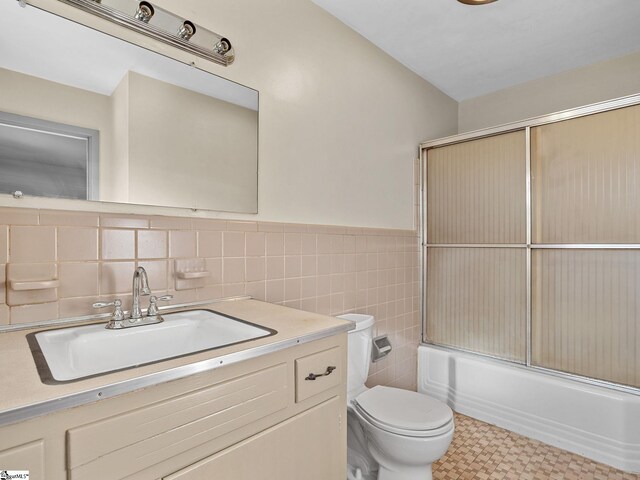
{"type": "Point", "coordinates": [468, 51]}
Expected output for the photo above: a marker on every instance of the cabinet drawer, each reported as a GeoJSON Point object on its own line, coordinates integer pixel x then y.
{"type": "Point", "coordinates": [309, 446]}
{"type": "Point", "coordinates": [128, 443]}
{"type": "Point", "coordinates": [317, 365]}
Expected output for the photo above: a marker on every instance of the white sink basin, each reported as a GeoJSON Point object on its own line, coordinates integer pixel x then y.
{"type": "Point", "coordinates": [78, 352]}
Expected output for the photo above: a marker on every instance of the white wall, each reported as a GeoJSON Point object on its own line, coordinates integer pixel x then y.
{"type": "Point", "coordinates": [340, 121]}
{"type": "Point", "coordinates": [595, 83]}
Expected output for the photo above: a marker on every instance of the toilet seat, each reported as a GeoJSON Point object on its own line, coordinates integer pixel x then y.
{"type": "Point", "coordinates": [403, 412]}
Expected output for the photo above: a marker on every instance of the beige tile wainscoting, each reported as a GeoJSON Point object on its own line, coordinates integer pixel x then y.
{"type": "Point", "coordinates": [324, 269]}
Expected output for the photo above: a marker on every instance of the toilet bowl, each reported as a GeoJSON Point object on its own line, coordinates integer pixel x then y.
{"type": "Point", "coordinates": [393, 434]}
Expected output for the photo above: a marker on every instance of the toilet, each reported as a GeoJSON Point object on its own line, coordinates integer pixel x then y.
{"type": "Point", "coordinates": [392, 434]}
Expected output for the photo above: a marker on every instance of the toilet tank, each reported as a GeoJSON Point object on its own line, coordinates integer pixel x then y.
{"type": "Point", "coordinates": [359, 350]}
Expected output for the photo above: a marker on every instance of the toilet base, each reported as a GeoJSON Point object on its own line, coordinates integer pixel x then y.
{"type": "Point", "coordinates": [422, 473]}
{"type": "Point", "coordinates": [360, 464]}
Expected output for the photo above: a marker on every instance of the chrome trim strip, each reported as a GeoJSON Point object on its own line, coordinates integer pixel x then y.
{"type": "Point", "coordinates": [82, 398]}
{"type": "Point", "coordinates": [529, 228]}
{"type": "Point", "coordinates": [149, 30]}
{"type": "Point", "coordinates": [528, 198]}
{"type": "Point", "coordinates": [423, 243]}
{"type": "Point", "coordinates": [477, 245]}
{"type": "Point", "coordinates": [536, 121]}
{"type": "Point", "coordinates": [555, 373]}
{"type": "Point", "coordinates": [589, 246]}
{"type": "Point", "coordinates": [102, 316]}
{"type": "Point", "coordinates": [529, 307]}
{"type": "Point", "coordinates": [471, 352]}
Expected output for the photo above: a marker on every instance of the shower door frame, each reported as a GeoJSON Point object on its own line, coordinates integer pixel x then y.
{"type": "Point", "coordinates": [526, 126]}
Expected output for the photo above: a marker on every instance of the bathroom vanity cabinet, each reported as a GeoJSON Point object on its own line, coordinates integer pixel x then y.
{"type": "Point", "coordinates": [255, 419]}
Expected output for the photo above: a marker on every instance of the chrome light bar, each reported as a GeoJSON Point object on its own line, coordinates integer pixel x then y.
{"type": "Point", "coordinates": [162, 25]}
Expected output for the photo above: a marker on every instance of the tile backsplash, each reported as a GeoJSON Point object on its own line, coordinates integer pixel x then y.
{"type": "Point", "coordinates": [324, 269]}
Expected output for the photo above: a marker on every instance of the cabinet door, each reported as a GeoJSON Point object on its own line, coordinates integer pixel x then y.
{"type": "Point", "coordinates": [311, 445]}
{"type": "Point", "coordinates": [28, 457]}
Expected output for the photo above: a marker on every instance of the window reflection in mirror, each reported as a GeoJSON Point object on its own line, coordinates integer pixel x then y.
{"type": "Point", "coordinates": [48, 159]}
{"type": "Point", "coordinates": [164, 133]}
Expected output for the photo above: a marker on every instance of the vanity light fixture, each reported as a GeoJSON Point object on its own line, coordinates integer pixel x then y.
{"type": "Point", "coordinates": [187, 29]}
{"type": "Point", "coordinates": [476, 2]}
{"type": "Point", "coordinates": [162, 25]}
{"type": "Point", "coordinates": [223, 46]}
{"type": "Point", "coordinates": [144, 12]}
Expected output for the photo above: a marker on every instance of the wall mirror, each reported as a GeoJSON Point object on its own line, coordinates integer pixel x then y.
{"type": "Point", "coordinates": [84, 115]}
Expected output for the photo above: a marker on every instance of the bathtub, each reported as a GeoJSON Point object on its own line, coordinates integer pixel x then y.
{"type": "Point", "coordinates": [596, 422]}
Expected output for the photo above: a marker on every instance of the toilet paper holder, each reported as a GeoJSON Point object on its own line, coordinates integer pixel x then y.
{"type": "Point", "coordinates": [381, 348]}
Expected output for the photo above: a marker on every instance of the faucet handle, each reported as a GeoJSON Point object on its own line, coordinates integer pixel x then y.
{"type": "Point", "coordinates": [117, 303]}
{"type": "Point", "coordinates": [117, 317]}
{"type": "Point", "coordinates": [152, 311]}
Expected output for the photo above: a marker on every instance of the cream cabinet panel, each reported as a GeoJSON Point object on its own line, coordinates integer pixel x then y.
{"type": "Point", "coordinates": [174, 425]}
{"type": "Point", "coordinates": [25, 457]}
{"type": "Point", "coordinates": [303, 447]}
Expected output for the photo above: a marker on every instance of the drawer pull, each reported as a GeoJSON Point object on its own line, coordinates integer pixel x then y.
{"type": "Point", "coordinates": [313, 376]}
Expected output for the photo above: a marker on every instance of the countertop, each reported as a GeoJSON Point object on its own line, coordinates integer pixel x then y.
{"type": "Point", "coordinates": [24, 395]}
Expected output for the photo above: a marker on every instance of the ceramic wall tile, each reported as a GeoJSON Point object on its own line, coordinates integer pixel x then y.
{"type": "Point", "coordinates": [18, 216]}
{"type": "Point", "coordinates": [34, 313]}
{"type": "Point", "coordinates": [325, 269]}
{"type": "Point", "coordinates": [5, 314]}
{"type": "Point", "coordinates": [233, 270]}
{"type": "Point", "coordinates": [123, 221]}
{"type": "Point", "coordinates": [275, 244]}
{"type": "Point", "coordinates": [118, 244]}
{"type": "Point", "coordinates": [76, 243]}
{"type": "Point", "coordinates": [116, 277]}
{"type": "Point", "coordinates": [233, 244]}
{"type": "Point", "coordinates": [3, 280]}
{"type": "Point", "coordinates": [151, 244]}
{"type": "Point", "coordinates": [69, 219]}
{"type": "Point", "coordinates": [256, 269]}
{"type": "Point", "coordinates": [242, 226]}
{"type": "Point", "coordinates": [78, 279]}
{"type": "Point", "coordinates": [32, 244]}
{"type": "Point", "coordinates": [255, 244]}
{"type": "Point", "coordinates": [182, 244]}
{"type": "Point", "coordinates": [4, 244]}
{"type": "Point", "coordinates": [209, 244]}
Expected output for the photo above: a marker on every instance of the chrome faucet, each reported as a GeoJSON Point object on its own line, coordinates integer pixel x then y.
{"type": "Point", "coordinates": [140, 287]}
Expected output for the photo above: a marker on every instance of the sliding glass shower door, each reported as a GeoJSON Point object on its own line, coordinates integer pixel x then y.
{"type": "Point", "coordinates": [532, 246]}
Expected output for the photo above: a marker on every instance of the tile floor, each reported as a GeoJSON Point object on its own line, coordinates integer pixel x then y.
{"type": "Point", "coordinates": [483, 451]}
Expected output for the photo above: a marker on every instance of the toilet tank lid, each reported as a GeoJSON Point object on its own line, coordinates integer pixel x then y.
{"type": "Point", "coordinates": [362, 321]}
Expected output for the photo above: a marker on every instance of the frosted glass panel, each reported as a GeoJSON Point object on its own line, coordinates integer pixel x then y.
{"type": "Point", "coordinates": [476, 300]}
{"type": "Point", "coordinates": [476, 191]}
{"type": "Point", "coordinates": [586, 313]}
{"type": "Point", "coordinates": [585, 179]}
